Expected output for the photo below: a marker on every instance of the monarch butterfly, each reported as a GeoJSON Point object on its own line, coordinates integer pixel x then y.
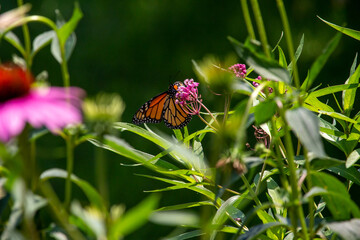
{"type": "Point", "coordinates": [163, 107]}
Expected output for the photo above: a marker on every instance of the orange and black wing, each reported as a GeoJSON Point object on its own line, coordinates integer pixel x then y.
{"type": "Point", "coordinates": [152, 110]}
{"type": "Point", "coordinates": [174, 115]}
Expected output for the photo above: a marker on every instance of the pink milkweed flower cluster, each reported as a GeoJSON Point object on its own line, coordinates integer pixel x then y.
{"type": "Point", "coordinates": [50, 107]}
{"type": "Point", "coordinates": [188, 96]}
{"type": "Point", "coordinates": [239, 70]}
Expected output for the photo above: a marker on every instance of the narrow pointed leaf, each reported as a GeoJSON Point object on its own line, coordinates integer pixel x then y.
{"type": "Point", "coordinates": [297, 54]}
{"type": "Point", "coordinates": [319, 63]}
{"type": "Point", "coordinates": [349, 95]}
{"type": "Point", "coordinates": [350, 32]}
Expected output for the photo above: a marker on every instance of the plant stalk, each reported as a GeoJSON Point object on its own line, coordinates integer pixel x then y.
{"type": "Point", "coordinates": [248, 23]}
{"type": "Point", "coordinates": [260, 26]}
{"type": "Point", "coordinates": [69, 168]}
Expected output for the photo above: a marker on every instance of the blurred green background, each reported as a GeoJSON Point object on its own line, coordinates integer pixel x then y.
{"type": "Point", "coordinates": [137, 47]}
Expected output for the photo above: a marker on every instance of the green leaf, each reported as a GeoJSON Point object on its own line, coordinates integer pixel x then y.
{"type": "Point", "coordinates": [186, 205]}
{"type": "Point", "coordinates": [264, 111]}
{"type": "Point", "coordinates": [255, 231]}
{"type": "Point", "coordinates": [93, 196]}
{"type": "Point", "coordinates": [349, 95]}
{"type": "Point", "coordinates": [353, 158]}
{"type": "Point", "coordinates": [228, 209]}
{"type": "Point", "coordinates": [320, 62]}
{"type": "Point", "coordinates": [350, 173]}
{"type": "Point", "coordinates": [42, 40]}
{"type": "Point", "coordinates": [175, 218]}
{"type": "Point", "coordinates": [267, 68]}
{"type": "Point", "coordinates": [68, 28]}
{"type": "Point", "coordinates": [306, 126]}
{"type": "Point", "coordinates": [297, 54]}
{"type": "Point", "coordinates": [348, 230]}
{"type": "Point", "coordinates": [275, 194]}
{"type": "Point", "coordinates": [345, 143]}
{"type": "Point", "coordinates": [187, 235]}
{"type": "Point", "coordinates": [282, 58]}
{"type": "Point", "coordinates": [134, 218]}
{"type": "Point", "coordinates": [178, 151]}
{"type": "Point", "coordinates": [11, 38]}
{"type": "Point", "coordinates": [333, 89]}
{"type": "Point", "coordinates": [335, 195]}
{"type": "Point", "coordinates": [347, 31]}
{"type": "Point", "coordinates": [122, 148]}
{"type": "Point", "coordinates": [273, 233]}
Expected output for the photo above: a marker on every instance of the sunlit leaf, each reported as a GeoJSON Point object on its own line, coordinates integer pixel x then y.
{"type": "Point", "coordinates": [353, 158]}
{"type": "Point", "coordinates": [319, 63]}
{"type": "Point", "coordinates": [122, 148]}
{"type": "Point", "coordinates": [133, 218]}
{"type": "Point", "coordinates": [350, 32]}
{"type": "Point", "coordinates": [350, 94]}
{"type": "Point", "coordinates": [267, 68]}
{"type": "Point", "coordinates": [178, 151]}
{"type": "Point", "coordinates": [68, 28]}
{"type": "Point", "coordinates": [306, 126]}
{"type": "Point", "coordinates": [175, 218]}
{"type": "Point", "coordinates": [282, 58]}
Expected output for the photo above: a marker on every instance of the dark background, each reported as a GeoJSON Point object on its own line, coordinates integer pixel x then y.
{"type": "Point", "coordinates": [136, 47]}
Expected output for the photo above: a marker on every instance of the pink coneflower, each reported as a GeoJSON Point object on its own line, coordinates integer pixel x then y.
{"type": "Point", "coordinates": [51, 107]}
{"type": "Point", "coordinates": [239, 70]}
{"type": "Point", "coordinates": [188, 96]}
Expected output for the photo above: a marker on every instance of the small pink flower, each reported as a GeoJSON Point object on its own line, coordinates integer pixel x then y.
{"type": "Point", "coordinates": [188, 96]}
{"type": "Point", "coordinates": [51, 107]}
{"type": "Point", "coordinates": [255, 84]}
{"type": "Point", "coordinates": [239, 70]}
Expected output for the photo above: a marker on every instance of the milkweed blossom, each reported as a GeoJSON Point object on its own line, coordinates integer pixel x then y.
{"type": "Point", "coordinates": [188, 96]}
{"type": "Point", "coordinates": [50, 107]}
{"type": "Point", "coordinates": [239, 70]}
{"type": "Point", "coordinates": [255, 84]}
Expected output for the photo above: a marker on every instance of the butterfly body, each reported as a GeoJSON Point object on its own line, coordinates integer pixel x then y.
{"type": "Point", "coordinates": [163, 107]}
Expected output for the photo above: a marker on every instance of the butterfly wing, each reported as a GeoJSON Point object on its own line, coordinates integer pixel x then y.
{"type": "Point", "coordinates": [174, 115]}
{"type": "Point", "coordinates": [152, 110]}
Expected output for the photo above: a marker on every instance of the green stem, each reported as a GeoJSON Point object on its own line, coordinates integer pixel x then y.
{"type": "Point", "coordinates": [311, 199]}
{"type": "Point", "coordinates": [251, 191]}
{"type": "Point", "coordinates": [69, 167]}
{"type": "Point", "coordinates": [289, 41]}
{"type": "Point", "coordinates": [260, 26]}
{"type": "Point", "coordinates": [247, 18]}
{"type": "Point", "coordinates": [100, 172]}
{"type": "Point", "coordinates": [59, 211]}
{"type": "Point", "coordinates": [27, 41]}
{"type": "Point", "coordinates": [296, 209]}
{"type": "Point", "coordinates": [212, 116]}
